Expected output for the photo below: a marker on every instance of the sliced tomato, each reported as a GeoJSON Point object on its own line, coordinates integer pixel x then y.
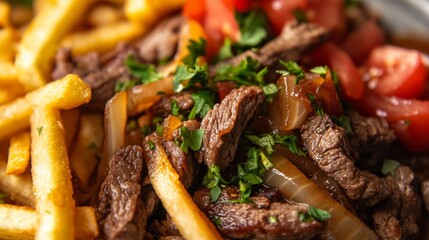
{"type": "Point", "coordinates": [396, 71]}
{"type": "Point", "coordinates": [242, 5]}
{"type": "Point", "coordinates": [224, 88]}
{"type": "Point", "coordinates": [194, 9]}
{"type": "Point", "coordinates": [328, 14]}
{"type": "Point", "coordinates": [280, 12]}
{"type": "Point", "coordinates": [409, 118]}
{"type": "Point", "coordinates": [361, 41]}
{"type": "Point", "coordinates": [335, 58]}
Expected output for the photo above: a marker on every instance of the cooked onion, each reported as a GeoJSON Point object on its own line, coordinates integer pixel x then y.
{"type": "Point", "coordinates": [295, 186]}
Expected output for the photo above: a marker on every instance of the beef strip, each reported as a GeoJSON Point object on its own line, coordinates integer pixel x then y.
{"type": "Point", "coordinates": [122, 214]}
{"type": "Point", "coordinates": [183, 100]}
{"type": "Point", "coordinates": [161, 43]}
{"type": "Point", "coordinates": [425, 193]}
{"type": "Point", "coordinates": [182, 162]}
{"type": "Point", "coordinates": [224, 124]}
{"type": "Point", "coordinates": [164, 227]}
{"type": "Point", "coordinates": [328, 146]}
{"type": "Point", "coordinates": [293, 41]}
{"type": "Point", "coordinates": [396, 217]}
{"type": "Point", "coordinates": [262, 219]}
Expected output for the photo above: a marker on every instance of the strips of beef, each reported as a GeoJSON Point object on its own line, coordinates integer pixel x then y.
{"type": "Point", "coordinates": [182, 162]}
{"type": "Point", "coordinates": [294, 40]}
{"type": "Point", "coordinates": [425, 193]}
{"type": "Point", "coordinates": [183, 100]}
{"type": "Point", "coordinates": [261, 219]}
{"type": "Point", "coordinates": [224, 124]}
{"type": "Point", "coordinates": [396, 217]}
{"type": "Point", "coordinates": [122, 214]}
{"type": "Point", "coordinates": [328, 146]}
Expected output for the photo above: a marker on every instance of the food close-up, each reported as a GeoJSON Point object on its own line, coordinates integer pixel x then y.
{"type": "Point", "coordinates": [214, 119]}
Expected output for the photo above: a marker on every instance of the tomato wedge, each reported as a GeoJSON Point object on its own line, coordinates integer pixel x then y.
{"type": "Point", "coordinates": [328, 14]}
{"type": "Point", "coordinates": [396, 71]}
{"type": "Point", "coordinates": [280, 12]}
{"type": "Point", "coordinates": [242, 5]}
{"type": "Point", "coordinates": [408, 117]}
{"type": "Point", "coordinates": [351, 82]}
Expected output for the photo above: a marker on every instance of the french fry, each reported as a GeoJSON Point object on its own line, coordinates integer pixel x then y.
{"type": "Point", "coordinates": [21, 222]}
{"type": "Point", "coordinates": [66, 93]}
{"type": "Point", "coordinates": [89, 141]}
{"type": "Point", "coordinates": [8, 41]}
{"type": "Point", "coordinates": [103, 38]}
{"type": "Point", "coordinates": [19, 153]}
{"type": "Point", "coordinates": [4, 14]}
{"type": "Point", "coordinates": [8, 72]}
{"type": "Point", "coordinates": [7, 95]}
{"type": "Point", "coordinates": [104, 14]}
{"type": "Point", "coordinates": [186, 215]}
{"type": "Point", "coordinates": [70, 119]}
{"type": "Point", "coordinates": [41, 38]}
{"type": "Point", "coordinates": [18, 187]}
{"type": "Point", "coordinates": [148, 12]}
{"type": "Point", "coordinates": [51, 175]}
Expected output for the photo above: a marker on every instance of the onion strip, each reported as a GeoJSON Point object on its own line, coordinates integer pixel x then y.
{"type": "Point", "coordinates": [294, 185]}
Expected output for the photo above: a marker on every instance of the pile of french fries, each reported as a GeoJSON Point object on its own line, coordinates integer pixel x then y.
{"type": "Point", "coordinates": [45, 140]}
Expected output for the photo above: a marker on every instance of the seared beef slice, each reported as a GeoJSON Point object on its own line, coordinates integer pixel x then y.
{"type": "Point", "coordinates": [123, 214]}
{"type": "Point", "coordinates": [224, 124]}
{"type": "Point", "coordinates": [328, 146]}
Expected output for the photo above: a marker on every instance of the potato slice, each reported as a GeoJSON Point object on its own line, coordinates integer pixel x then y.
{"type": "Point", "coordinates": [19, 153]}
{"type": "Point", "coordinates": [148, 11]}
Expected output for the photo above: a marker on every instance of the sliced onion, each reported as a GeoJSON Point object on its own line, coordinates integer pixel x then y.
{"type": "Point", "coordinates": [294, 185]}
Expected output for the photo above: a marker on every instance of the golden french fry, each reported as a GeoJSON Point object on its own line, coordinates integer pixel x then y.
{"type": "Point", "coordinates": [6, 96]}
{"type": "Point", "coordinates": [8, 73]}
{"type": "Point", "coordinates": [67, 93]}
{"type": "Point", "coordinates": [4, 14]}
{"type": "Point", "coordinates": [18, 187]}
{"type": "Point", "coordinates": [148, 11]}
{"type": "Point", "coordinates": [103, 38]}
{"type": "Point", "coordinates": [8, 41]}
{"type": "Point", "coordinates": [186, 215]}
{"type": "Point", "coordinates": [70, 119]}
{"type": "Point", "coordinates": [104, 14]}
{"type": "Point", "coordinates": [21, 222]}
{"type": "Point", "coordinates": [41, 38]}
{"type": "Point", "coordinates": [19, 153]}
{"type": "Point", "coordinates": [51, 175]}
{"type": "Point", "coordinates": [89, 141]}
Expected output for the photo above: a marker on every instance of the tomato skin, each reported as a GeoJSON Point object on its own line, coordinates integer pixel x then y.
{"type": "Point", "coordinates": [224, 88]}
{"type": "Point", "coordinates": [280, 12]}
{"type": "Point", "coordinates": [328, 14]}
{"type": "Point", "coordinates": [361, 41]}
{"type": "Point", "coordinates": [408, 117]}
{"type": "Point", "coordinates": [401, 72]}
{"type": "Point", "coordinates": [242, 5]}
{"type": "Point", "coordinates": [194, 9]}
{"type": "Point", "coordinates": [351, 82]}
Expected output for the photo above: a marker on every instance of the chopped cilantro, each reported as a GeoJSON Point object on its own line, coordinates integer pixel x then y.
{"type": "Point", "coordinates": [245, 73]}
{"type": "Point", "coordinates": [314, 214]}
{"type": "Point", "coordinates": [316, 106]}
{"type": "Point", "coordinates": [91, 146]}
{"type": "Point", "coordinates": [292, 68]}
{"type": "Point", "coordinates": [2, 195]}
{"type": "Point", "coordinates": [344, 122]}
{"type": "Point", "coordinates": [151, 145]}
{"type": "Point", "coordinates": [203, 103]}
{"type": "Point", "coordinates": [253, 28]}
{"type": "Point", "coordinates": [216, 220]}
{"type": "Point", "coordinates": [212, 181]}
{"type": "Point", "coordinates": [174, 108]}
{"type": "Point", "coordinates": [159, 129]}
{"type": "Point", "coordinates": [389, 167]}
{"type": "Point", "coordinates": [321, 70]}
{"type": "Point", "coordinates": [273, 219]}
{"type": "Point", "coordinates": [123, 86]}
{"type": "Point", "coordinates": [267, 141]}
{"type": "Point", "coordinates": [225, 51]}
{"type": "Point", "coordinates": [145, 73]}
{"type": "Point", "coordinates": [270, 90]}
{"type": "Point", "coordinates": [39, 130]}
{"type": "Point", "coordinates": [191, 139]}
{"type": "Point", "coordinates": [196, 49]}
{"type": "Point", "coordinates": [300, 15]}
{"type": "Point", "coordinates": [191, 74]}
{"type": "Point", "coordinates": [132, 125]}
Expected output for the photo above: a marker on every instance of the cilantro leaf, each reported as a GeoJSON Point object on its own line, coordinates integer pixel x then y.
{"type": "Point", "coordinates": [344, 122]}
{"type": "Point", "coordinates": [270, 90]}
{"type": "Point", "coordinates": [191, 139]}
{"type": "Point", "coordinates": [211, 180]}
{"type": "Point", "coordinates": [253, 28]}
{"type": "Point", "coordinates": [245, 73]}
{"type": "Point", "coordinates": [39, 130]}
{"type": "Point", "coordinates": [123, 86]}
{"type": "Point", "coordinates": [225, 51]}
{"type": "Point", "coordinates": [203, 103]}
{"type": "Point", "coordinates": [91, 146]}
{"type": "Point", "coordinates": [190, 75]}
{"type": "Point", "coordinates": [314, 214]}
{"type": "Point", "coordinates": [292, 68]}
{"type": "Point", "coordinates": [196, 49]}
{"type": "Point", "coordinates": [315, 105]}
{"type": "Point", "coordinates": [300, 15]}
{"type": "Point", "coordinates": [151, 145]}
{"type": "Point", "coordinates": [145, 73]}
{"type": "Point", "coordinates": [321, 70]}
{"type": "Point", "coordinates": [389, 167]}
{"type": "Point", "coordinates": [174, 108]}
{"type": "Point", "coordinates": [267, 141]}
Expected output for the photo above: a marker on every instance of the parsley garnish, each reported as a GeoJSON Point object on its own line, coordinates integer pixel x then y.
{"type": "Point", "coordinates": [39, 130]}
{"type": "Point", "coordinates": [316, 106]}
{"type": "Point", "coordinates": [203, 103]}
{"type": "Point", "coordinates": [225, 51]}
{"type": "Point", "coordinates": [314, 214]}
{"type": "Point", "coordinates": [253, 28]}
{"type": "Point", "coordinates": [91, 146]}
{"type": "Point", "coordinates": [216, 220]}
{"type": "Point", "coordinates": [344, 122]}
{"type": "Point", "coordinates": [192, 75]}
{"type": "Point", "coordinates": [196, 49]}
{"type": "Point", "coordinates": [389, 167]}
{"type": "Point", "coordinates": [174, 108]}
{"type": "Point", "coordinates": [321, 70]}
{"type": "Point", "coordinates": [151, 145]}
{"type": "Point", "coordinates": [123, 86]}
{"type": "Point", "coordinates": [245, 73]}
{"type": "Point", "coordinates": [270, 90]}
{"type": "Point", "coordinates": [191, 139]}
{"type": "Point", "coordinates": [267, 141]}
{"type": "Point", "coordinates": [145, 73]}
{"type": "Point", "coordinates": [292, 68]}
{"type": "Point", "coordinates": [212, 181]}
{"type": "Point", "coordinates": [2, 195]}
